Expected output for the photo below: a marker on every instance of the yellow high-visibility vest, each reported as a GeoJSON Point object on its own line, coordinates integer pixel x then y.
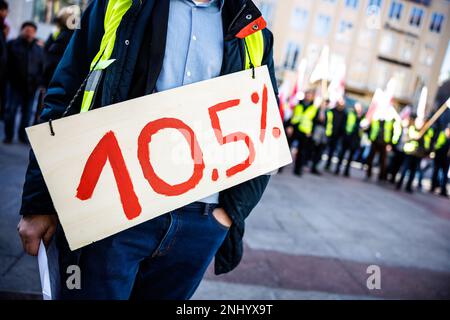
{"type": "Point", "coordinates": [306, 123]}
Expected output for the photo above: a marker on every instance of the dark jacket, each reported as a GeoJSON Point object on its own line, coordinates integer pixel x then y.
{"type": "Point", "coordinates": [139, 62]}
{"type": "Point", "coordinates": [339, 122]}
{"type": "Point", "coordinates": [353, 138]}
{"type": "Point", "coordinates": [25, 65]}
{"type": "Point", "coordinates": [53, 52]}
{"type": "Point", "coordinates": [3, 53]}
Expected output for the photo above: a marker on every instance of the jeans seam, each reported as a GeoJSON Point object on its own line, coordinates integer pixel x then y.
{"type": "Point", "coordinates": [157, 250]}
{"type": "Point", "coordinates": [174, 238]}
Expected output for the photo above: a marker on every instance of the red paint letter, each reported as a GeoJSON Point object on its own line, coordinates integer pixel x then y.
{"type": "Point", "coordinates": [159, 185]}
{"type": "Point", "coordinates": [263, 115]}
{"type": "Point", "coordinates": [233, 137]}
{"type": "Point", "coordinates": [108, 149]}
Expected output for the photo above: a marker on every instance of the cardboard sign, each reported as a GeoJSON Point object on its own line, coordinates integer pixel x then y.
{"type": "Point", "coordinates": [112, 168]}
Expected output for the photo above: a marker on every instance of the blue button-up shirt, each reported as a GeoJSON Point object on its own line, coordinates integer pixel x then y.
{"type": "Point", "coordinates": [194, 47]}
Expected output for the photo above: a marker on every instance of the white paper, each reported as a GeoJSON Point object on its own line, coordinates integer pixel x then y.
{"type": "Point", "coordinates": [44, 272]}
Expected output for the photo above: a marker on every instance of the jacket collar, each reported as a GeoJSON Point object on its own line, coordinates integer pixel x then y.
{"type": "Point", "coordinates": [241, 18]}
{"type": "Point", "coordinates": [244, 19]}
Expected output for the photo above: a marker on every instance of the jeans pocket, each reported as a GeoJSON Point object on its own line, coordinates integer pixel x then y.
{"type": "Point", "coordinates": [217, 222]}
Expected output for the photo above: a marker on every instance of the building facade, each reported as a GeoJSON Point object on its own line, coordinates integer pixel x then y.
{"type": "Point", "coordinates": [376, 39]}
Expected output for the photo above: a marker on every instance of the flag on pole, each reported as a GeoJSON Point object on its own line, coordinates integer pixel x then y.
{"type": "Point", "coordinates": [421, 107]}
{"type": "Point", "coordinates": [381, 106]}
{"type": "Point", "coordinates": [376, 101]}
{"type": "Point", "coordinates": [320, 71]}
{"type": "Point", "coordinates": [390, 91]}
{"type": "Point", "coordinates": [283, 95]}
{"type": "Point", "coordinates": [336, 90]}
{"type": "Point", "coordinates": [300, 85]}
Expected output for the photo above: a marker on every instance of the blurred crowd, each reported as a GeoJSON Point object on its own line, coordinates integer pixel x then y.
{"type": "Point", "coordinates": [403, 146]}
{"type": "Point", "coordinates": [27, 65]}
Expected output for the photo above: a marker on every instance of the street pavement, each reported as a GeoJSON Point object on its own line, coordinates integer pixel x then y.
{"type": "Point", "coordinates": [309, 238]}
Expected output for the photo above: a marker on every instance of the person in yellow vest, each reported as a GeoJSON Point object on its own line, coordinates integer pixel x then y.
{"type": "Point", "coordinates": [415, 148]}
{"type": "Point", "coordinates": [126, 49]}
{"type": "Point", "coordinates": [383, 132]}
{"type": "Point", "coordinates": [399, 155]}
{"type": "Point", "coordinates": [441, 161]}
{"type": "Point", "coordinates": [335, 128]}
{"type": "Point", "coordinates": [302, 121]}
{"type": "Point", "coordinates": [352, 138]}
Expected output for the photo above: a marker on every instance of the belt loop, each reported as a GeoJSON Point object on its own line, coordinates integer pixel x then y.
{"type": "Point", "coordinates": [206, 209]}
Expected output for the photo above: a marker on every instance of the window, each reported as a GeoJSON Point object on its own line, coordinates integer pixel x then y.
{"type": "Point", "coordinates": [387, 44]}
{"type": "Point", "coordinates": [323, 25]}
{"type": "Point", "coordinates": [382, 75]}
{"type": "Point", "coordinates": [395, 12]}
{"type": "Point", "coordinates": [427, 55]}
{"type": "Point", "coordinates": [408, 49]}
{"type": "Point", "coordinates": [345, 31]}
{"type": "Point", "coordinates": [374, 3]}
{"type": "Point", "coordinates": [358, 73]}
{"type": "Point", "coordinates": [366, 38]}
{"type": "Point", "coordinates": [353, 4]}
{"type": "Point", "coordinates": [312, 54]}
{"type": "Point", "coordinates": [437, 21]}
{"type": "Point", "coordinates": [416, 17]}
{"type": "Point", "coordinates": [291, 56]}
{"type": "Point", "coordinates": [299, 19]}
{"type": "Point", "coordinates": [402, 82]}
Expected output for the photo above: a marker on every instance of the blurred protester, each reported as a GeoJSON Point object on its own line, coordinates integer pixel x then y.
{"type": "Point", "coordinates": [25, 64]}
{"type": "Point", "coordinates": [399, 155]}
{"type": "Point", "coordinates": [384, 131]}
{"type": "Point", "coordinates": [415, 148]}
{"type": "Point", "coordinates": [4, 30]}
{"type": "Point", "coordinates": [352, 138]}
{"type": "Point", "coordinates": [441, 161]}
{"type": "Point", "coordinates": [54, 49]}
{"type": "Point", "coordinates": [319, 137]}
{"type": "Point", "coordinates": [426, 164]}
{"type": "Point", "coordinates": [57, 43]}
{"type": "Point", "coordinates": [335, 128]}
{"type": "Point", "coordinates": [302, 121]}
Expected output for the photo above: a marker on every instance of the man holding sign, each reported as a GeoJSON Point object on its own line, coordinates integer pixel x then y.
{"type": "Point", "coordinates": [127, 49]}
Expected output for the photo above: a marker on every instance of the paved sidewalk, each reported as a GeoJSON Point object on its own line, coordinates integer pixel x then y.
{"type": "Point", "coordinates": [309, 238]}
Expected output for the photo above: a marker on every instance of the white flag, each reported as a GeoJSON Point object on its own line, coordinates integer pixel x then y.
{"type": "Point", "coordinates": [320, 72]}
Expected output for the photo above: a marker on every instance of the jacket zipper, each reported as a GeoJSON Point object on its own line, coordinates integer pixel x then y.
{"type": "Point", "coordinates": [135, 7]}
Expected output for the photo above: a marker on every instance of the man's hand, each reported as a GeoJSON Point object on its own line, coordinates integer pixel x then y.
{"type": "Point", "coordinates": [34, 228]}
{"type": "Point", "coordinates": [222, 217]}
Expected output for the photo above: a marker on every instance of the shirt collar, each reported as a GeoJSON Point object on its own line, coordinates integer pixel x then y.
{"type": "Point", "coordinates": [211, 3]}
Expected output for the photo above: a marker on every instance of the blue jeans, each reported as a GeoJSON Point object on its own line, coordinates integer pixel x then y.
{"type": "Point", "coordinates": [15, 100]}
{"type": "Point", "coordinates": [164, 258]}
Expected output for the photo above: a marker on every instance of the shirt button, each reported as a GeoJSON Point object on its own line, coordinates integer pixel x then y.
{"type": "Point", "coordinates": [194, 38]}
{"type": "Point", "coordinates": [127, 42]}
{"type": "Point", "coordinates": [188, 73]}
